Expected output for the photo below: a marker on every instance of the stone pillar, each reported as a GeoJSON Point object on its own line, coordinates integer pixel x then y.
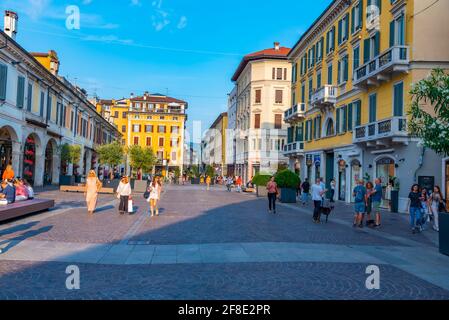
{"type": "Point", "coordinates": [56, 169]}
{"type": "Point", "coordinates": [39, 168]}
{"type": "Point", "coordinates": [17, 158]}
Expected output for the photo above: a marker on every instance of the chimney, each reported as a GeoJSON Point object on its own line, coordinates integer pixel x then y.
{"type": "Point", "coordinates": [277, 46]}
{"type": "Point", "coordinates": [11, 19]}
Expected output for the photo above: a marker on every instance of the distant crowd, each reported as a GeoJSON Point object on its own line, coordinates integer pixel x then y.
{"type": "Point", "coordinates": [14, 189]}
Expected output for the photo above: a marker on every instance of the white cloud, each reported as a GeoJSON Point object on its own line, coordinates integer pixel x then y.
{"type": "Point", "coordinates": [136, 3]}
{"type": "Point", "coordinates": [107, 39]}
{"type": "Point", "coordinates": [182, 22]}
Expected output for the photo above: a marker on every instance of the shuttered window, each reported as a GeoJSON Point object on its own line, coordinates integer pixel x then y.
{"type": "Point", "coordinates": [257, 121]}
{"type": "Point", "coordinates": [372, 108]}
{"type": "Point", "coordinates": [278, 121]}
{"type": "Point", "coordinates": [258, 96]}
{"type": "Point", "coordinates": [29, 97]}
{"type": "Point", "coordinates": [161, 142]}
{"type": "Point", "coordinates": [3, 81]}
{"type": "Point", "coordinates": [20, 92]}
{"type": "Point", "coordinates": [148, 141]}
{"type": "Point", "coordinates": [42, 103]}
{"type": "Point", "coordinates": [278, 98]}
{"type": "Point", "coordinates": [398, 99]}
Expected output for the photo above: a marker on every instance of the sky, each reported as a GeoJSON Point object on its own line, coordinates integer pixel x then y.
{"type": "Point", "coordinates": [186, 49]}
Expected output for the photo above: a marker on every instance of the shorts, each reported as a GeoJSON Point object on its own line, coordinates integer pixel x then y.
{"type": "Point", "coordinates": [376, 207]}
{"type": "Point", "coordinates": [359, 207]}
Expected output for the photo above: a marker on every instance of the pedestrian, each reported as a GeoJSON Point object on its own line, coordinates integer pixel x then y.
{"type": "Point", "coordinates": [161, 185]}
{"type": "Point", "coordinates": [7, 192]}
{"type": "Point", "coordinates": [93, 186]}
{"type": "Point", "coordinates": [123, 193]}
{"type": "Point", "coordinates": [436, 203]}
{"type": "Point", "coordinates": [229, 183]}
{"type": "Point", "coordinates": [333, 187]}
{"type": "Point", "coordinates": [305, 192]}
{"type": "Point", "coordinates": [298, 190]}
{"type": "Point", "coordinates": [376, 200]}
{"type": "Point", "coordinates": [359, 195]}
{"type": "Point", "coordinates": [368, 201]}
{"type": "Point", "coordinates": [239, 184]}
{"type": "Point", "coordinates": [208, 182]}
{"type": "Point", "coordinates": [415, 209]}
{"type": "Point", "coordinates": [154, 196]}
{"type": "Point", "coordinates": [273, 192]}
{"type": "Point", "coordinates": [8, 174]}
{"type": "Point", "coordinates": [317, 197]}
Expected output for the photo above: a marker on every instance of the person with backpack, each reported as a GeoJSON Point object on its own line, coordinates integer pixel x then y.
{"type": "Point", "coordinates": [305, 192]}
{"type": "Point", "coordinates": [359, 194]}
{"type": "Point", "coordinates": [415, 209]}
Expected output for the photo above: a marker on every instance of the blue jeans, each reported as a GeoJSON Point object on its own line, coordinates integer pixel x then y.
{"type": "Point", "coordinates": [305, 197]}
{"type": "Point", "coordinates": [415, 217]}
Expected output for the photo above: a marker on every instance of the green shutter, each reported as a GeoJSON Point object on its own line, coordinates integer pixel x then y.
{"type": "Point", "coordinates": [352, 20]}
{"type": "Point", "coordinates": [339, 31]}
{"type": "Point", "coordinates": [366, 50]}
{"type": "Point", "coordinates": [399, 100]}
{"type": "Point", "coordinates": [358, 119]}
{"type": "Point", "coordinates": [339, 72]}
{"type": "Point", "coordinates": [329, 74]}
{"type": "Point", "coordinates": [306, 63]}
{"type": "Point", "coordinates": [356, 58]}
{"type": "Point", "coordinates": [346, 68]}
{"type": "Point", "coordinates": [347, 26]}
{"type": "Point", "coordinates": [3, 80]}
{"type": "Point", "coordinates": [20, 92]}
{"type": "Point", "coordinates": [401, 31]}
{"type": "Point", "coordinates": [361, 14]}
{"type": "Point", "coordinates": [333, 38]}
{"type": "Point", "coordinates": [337, 125]}
{"type": "Point", "coordinates": [345, 119]}
{"type": "Point", "coordinates": [379, 5]}
{"type": "Point", "coordinates": [307, 131]}
{"type": "Point", "coordinates": [350, 117]}
{"type": "Point", "coordinates": [290, 135]}
{"type": "Point", "coordinates": [372, 108]}
{"type": "Point", "coordinates": [327, 42]}
{"type": "Point", "coordinates": [41, 111]}
{"type": "Point", "coordinates": [29, 97]}
{"type": "Point", "coordinates": [377, 44]}
{"type": "Point", "coordinates": [392, 31]}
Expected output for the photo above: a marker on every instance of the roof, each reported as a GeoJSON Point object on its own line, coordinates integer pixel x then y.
{"type": "Point", "coordinates": [157, 99]}
{"type": "Point", "coordinates": [271, 53]}
{"type": "Point", "coordinates": [221, 116]}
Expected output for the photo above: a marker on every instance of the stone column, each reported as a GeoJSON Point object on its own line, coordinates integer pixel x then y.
{"type": "Point", "coordinates": [56, 169]}
{"type": "Point", "coordinates": [39, 168]}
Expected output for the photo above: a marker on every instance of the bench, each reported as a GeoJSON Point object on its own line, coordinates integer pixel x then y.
{"type": "Point", "coordinates": [23, 208]}
{"type": "Point", "coordinates": [82, 189]}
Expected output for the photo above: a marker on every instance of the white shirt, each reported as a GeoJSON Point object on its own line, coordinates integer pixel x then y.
{"type": "Point", "coordinates": [316, 192]}
{"type": "Point", "coordinates": [124, 189]}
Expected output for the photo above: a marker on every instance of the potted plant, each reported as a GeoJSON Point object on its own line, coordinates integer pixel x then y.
{"type": "Point", "coordinates": [112, 155]}
{"type": "Point", "coordinates": [70, 154]}
{"type": "Point", "coordinates": [288, 182]}
{"type": "Point", "coordinates": [261, 181]}
{"type": "Point", "coordinates": [195, 175]}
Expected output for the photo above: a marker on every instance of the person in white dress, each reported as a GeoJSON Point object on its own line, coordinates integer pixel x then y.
{"type": "Point", "coordinates": [153, 199]}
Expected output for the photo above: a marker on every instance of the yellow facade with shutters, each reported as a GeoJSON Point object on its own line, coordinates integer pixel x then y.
{"type": "Point", "coordinates": [352, 73]}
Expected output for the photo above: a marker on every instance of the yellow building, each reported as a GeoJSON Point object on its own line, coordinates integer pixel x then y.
{"type": "Point", "coordinates": [151, 120]}
{"type": "Point", "coordinates": [352, 71]}
{"type": "Point", "coordinates": [214, 145]}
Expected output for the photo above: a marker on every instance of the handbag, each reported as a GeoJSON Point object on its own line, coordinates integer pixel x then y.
{"type": "Point", "coordinates": [130, 205]}
{"type": "Point", "coordinates": [442, 207]}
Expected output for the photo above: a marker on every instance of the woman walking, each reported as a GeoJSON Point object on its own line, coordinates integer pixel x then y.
{"type": "Point", "coordinates": [93, 186]}
{"type": "Point", "coordinates": [208, 181]}
{"type": "Point", "coordinates": [333, 187]}
{"type": "Point", "coordinates": [155, 195]}
{"type": "Point", "coordinates": [123, 193]}
{"type": "Point", "coordinates": [273, 192]}
{"type": "Point", "coordinates": [425, 213]}
{"type": "Point", "coordinates": [370, 220]}
{"type": "Point", "coordinates": [435, 202]}
{"type": "Point", "coordinates": [415, 209]}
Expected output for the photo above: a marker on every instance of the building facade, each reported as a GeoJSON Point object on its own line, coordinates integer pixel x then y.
{"type": "Point", "coordinates": [40, 111]}
{"type": "Point", "coordinates": [352, 71]}
{"type": "Point", "coordinates": [231, 143]}
{"type": "Point", "coordinates": [214, 145]}
{"type": "Point", "coordinates": [263, 90]}
{"type": "Point", "coordinates": [151, 121]}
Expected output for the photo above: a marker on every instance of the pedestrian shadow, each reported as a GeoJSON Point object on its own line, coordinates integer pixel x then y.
{"type": "Point", "coordinates": [25, 236]}
{"type": "Point", "coordinates": [18, 228]}
{"type": "Point", "coordinates": [103, 209]}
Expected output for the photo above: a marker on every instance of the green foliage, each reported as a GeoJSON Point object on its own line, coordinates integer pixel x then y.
{"type": "Point", "coordinates": [177, 172]}
{"type": "Point", "coordinates": [111, 154]}
{"type": "Point", "coordinates": [210, 171]}
{"type": "Point", "coordinates": [142, 158]}
{"type": "Point", "coordinates": [282, 167]}
{"type": "Point", "coordinates": [433, 128]}
{"type": "Point", "coordinates": [194, 172]}
{"type": "Point", "coordinates": [287, 179]}
{"type": "Point", "coordinates": [261, 179]}
{"type": "Point", "coordinates": [70, 153]}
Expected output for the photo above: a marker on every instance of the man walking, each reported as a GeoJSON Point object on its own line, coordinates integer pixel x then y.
{"type": "Point", "coordinates": [376, 198]}
{"type": "Point", "coordinates": [359, 194]}
{"type": "Point", "coordinates": [317, 197]}
{"type": "Point", "coordinates": [305, 192]}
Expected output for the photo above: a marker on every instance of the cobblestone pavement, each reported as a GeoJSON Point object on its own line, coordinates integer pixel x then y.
{"type": "Point", "coordinates": [214, 245]}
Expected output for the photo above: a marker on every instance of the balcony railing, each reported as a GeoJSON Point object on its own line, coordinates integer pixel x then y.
{"type": "Point", "coordinates": [294, 148]}
{"type": "Point", "coordinates": [390, 128]}
{"type": "Point", "coordinates": [327, 95]}
{"type": "Point", "coordinates": [295, 113]}
{"type": "Point", "coordinates": [395, 59]}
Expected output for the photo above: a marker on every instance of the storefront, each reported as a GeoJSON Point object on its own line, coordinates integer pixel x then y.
{"type": "Point", "coordinates": [342, 180]}
{"type": "Point", "coordinates": [356, 174]}
{"type": "Point", "coordinates": [386, 171]}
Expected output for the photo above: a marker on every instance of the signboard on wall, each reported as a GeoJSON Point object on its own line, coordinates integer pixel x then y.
{"type": "Point", "coordinates": [317, 160]}
{"type": "Point", "coordinates": [427, 182]}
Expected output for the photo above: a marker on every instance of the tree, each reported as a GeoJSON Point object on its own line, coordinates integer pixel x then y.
{"type": "Point", "coordinates": [433, 128]}
{"type": "Point", "coordinates": [210, 171]}
{"type": "Point", "coordinates": [142, 159]}
{"type": "Point", "coordinates": [70, 154]}
{"type": "Point", "coordinates": [111, 154]}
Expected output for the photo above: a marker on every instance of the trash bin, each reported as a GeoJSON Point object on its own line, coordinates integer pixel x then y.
{"type": "Point", "coordinates": [444, 233]}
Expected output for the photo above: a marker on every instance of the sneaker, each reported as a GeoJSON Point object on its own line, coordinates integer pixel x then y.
{"type": "Point", "coordinates": [354, 225]}
{"type": "Point", "coordinates": [361, 226]}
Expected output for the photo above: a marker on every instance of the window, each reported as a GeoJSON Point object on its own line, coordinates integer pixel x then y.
{"type": "Point", "coordinates": [311, 61]}
{"type": "Point", "coordinates": [318, 80]}
{"type": "Point", "coordinates": [357, 110]}
{"type": "Point", "coordinates": [124, 115]}
{"type": "Point", "coordinates": [278, 121]}
{"type": "Point", "coordinates": [371, 47]}
{"type": "Point", "coordinates": [278, 98]}
{"type": "Point", "coordinates": [136, 128]}
{"type": "Point", "coordinates": [356, 58]}
{"type": "Point", "coordinates": [343, 29]}
{"type": "Point", "coordinates": [310, 89]}
{"type": "Point", "coordinates": [372, 108]}
{"type": "Point", "coordinates": [398, 100]}
{"type": "Point", "coordinates": [330, 128]}
{"type": "Point", "coordinates": [342, 120]}
{"type": "Point", "coordinates": [397, 31]}
{"type": "Point", "coordinates": [303, 93]}
{"type": "Point", "coordinates": [308, 130]}
{"type": "Point", "coordinates": [20, 92]}
{"type": "Point", "coordinates": [330, 40]}
{"type": "Point", "coordinates": [160, 155]}
{"type": "Point", "coordinates": [148, 128]}
{"type": "Point", "coordinates": [174, 156]}
{"type": "Point", "coordinates": [258, 96]}
{"type": "Point", "coordinates": [3, 81]}
{"type": "Point", "coordinates": [136, 141]}
{"type": "Point", "coordinates": [343, 71]}
{"type": "Point", "coordinates": [257, 121]}
{"type": "Point", "coordinates": [49, 104]}
{"type": "Point", "coordinates": [174, 143]}
{"type": "Point", "coordinates": [161, 129]}
{"type": "Point", "coordinates": [295, 72]}
{"type": "Point", "coordinates": [317, 127]}
{"type": "Point", "coordinates": [175, 130]}
{"type": "Point", "coordinates": [148, 141]}
{"type": "Point", "coordinates": [319, 50]}
{"type": "Point", "coordinates": [116, 114]}
{"type": "Point", "coordinates": [41, 109]}
{"type": "Point", "coordinates": [329, 74]}
{"type": "Point", "coordinates": [123, 129]}
{"type": "Point", "coordinates": [29, 97]}
{"type": "Point", "coordinates": [357, 17]}
{"type": "Point", "coordinates": [279, 74]}
{"type": "Point", "coordinates": [161, 142]}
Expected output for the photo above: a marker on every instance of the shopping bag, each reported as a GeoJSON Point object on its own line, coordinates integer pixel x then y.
{"type": "Point", "coordinates": [130, 205]}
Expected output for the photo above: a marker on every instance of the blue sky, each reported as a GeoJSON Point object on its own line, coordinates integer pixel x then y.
{"type": "Point", "coordinates": [189, 49]}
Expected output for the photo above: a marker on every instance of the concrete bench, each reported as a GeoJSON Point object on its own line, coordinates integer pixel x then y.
{"type": "Point", "coordinates": [82, 189]}
{"type": "Point", "coordinates": [23, 208]}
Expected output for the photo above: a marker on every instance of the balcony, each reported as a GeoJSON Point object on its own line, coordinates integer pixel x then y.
{"type": "Point", "coordinates": [325, 96]}
{"type": "Point", "coordinates": [381, 68]}
{"type": "Point", "coordinates": [293, 149]}
{"type": "Point", "coordinates": [295, 113]}
{"type": "Point", "coordinates": [382, 133]}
